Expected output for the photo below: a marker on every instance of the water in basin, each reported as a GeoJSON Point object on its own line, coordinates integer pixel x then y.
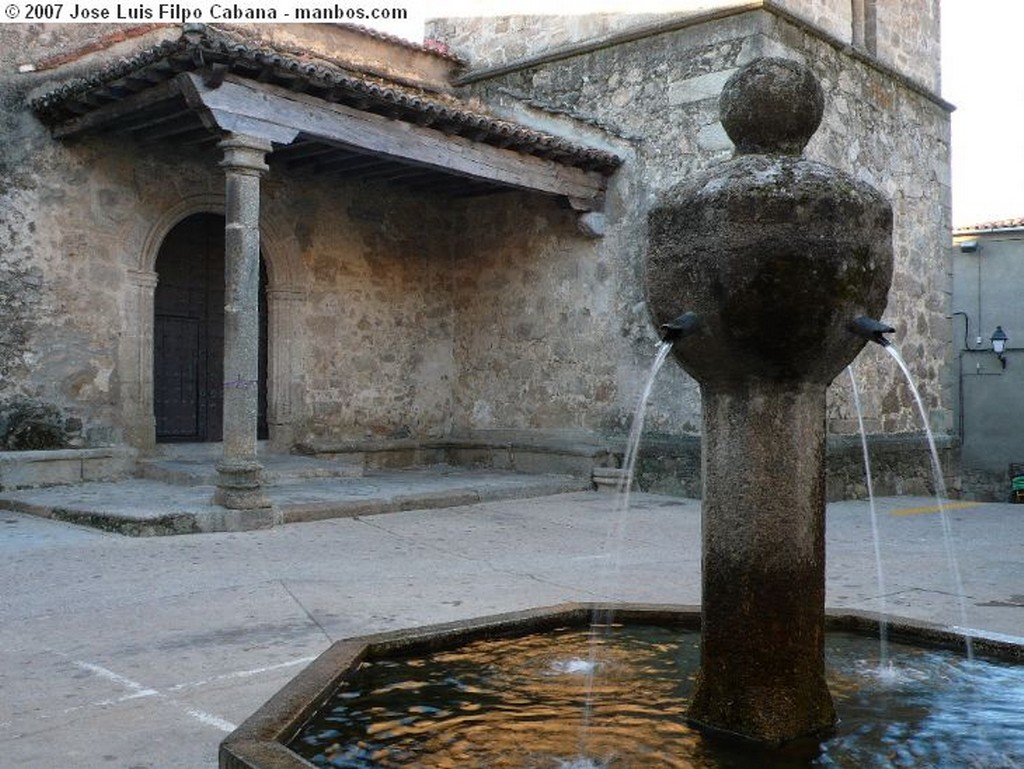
{"type": "Point", "coordinates": [516, 703]}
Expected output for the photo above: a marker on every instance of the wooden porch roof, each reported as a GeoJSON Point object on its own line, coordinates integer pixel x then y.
{"type": "Point", "coordinates": [321, 117]}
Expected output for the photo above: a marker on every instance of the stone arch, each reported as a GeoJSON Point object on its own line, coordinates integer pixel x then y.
{"type": "Point", "coordinates": [282, 258]}
{"type": "Point", "coordinates": [284, 299]}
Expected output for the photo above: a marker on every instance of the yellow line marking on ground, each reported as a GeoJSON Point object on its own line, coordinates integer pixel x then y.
{"type": "Point", "coordinates": [935, 508]}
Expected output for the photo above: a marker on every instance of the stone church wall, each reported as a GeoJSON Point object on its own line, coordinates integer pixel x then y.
{"type": "Point", "coordinates": [377, 327]}
{"type": "Point", "coordinates": [360, 269]}
{"type": "Point", "coordinates": [59, 287]}
{"type": "Point", "coordinates": [904, 35]}
{"type": "Point", "coordinates": [396, 316]}
{"type": "Point", "coordinates": [659, 95]}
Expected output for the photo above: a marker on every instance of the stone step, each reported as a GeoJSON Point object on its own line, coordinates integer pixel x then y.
{"type": "Point", "coordinates": [201, 470]}
{"type": "Point", "coordinates": [58, 467]}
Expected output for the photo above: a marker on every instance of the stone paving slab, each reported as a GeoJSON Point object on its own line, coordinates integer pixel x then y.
{"type": "Point", "coordinates": [143, 653]}
{"type": "Point", "coordinates": [146, 507]}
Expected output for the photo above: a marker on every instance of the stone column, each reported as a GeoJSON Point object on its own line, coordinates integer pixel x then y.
{"type": "Point", "coordinates": [239, 485]}
{"type": "Point", "coordinates": [763, 561]}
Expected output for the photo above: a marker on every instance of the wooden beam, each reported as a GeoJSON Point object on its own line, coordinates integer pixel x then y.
{"type": "Point", "coordinates": [116, 110]}
{"type": "Point", "coordinates": [145, 121]}
{"type": "Point", "coordinates": [300, 148]}
{"type": "Point", "coordinates": [306, 158]}
{"type": "Point", "coordinates": [188, 126]}
{"type": "Point", "coordinates": [328, 153]}
{"type": "Point", "coordinates": [447, 184]}
{"type": "Point", "coordinates": [348, 164]}
{"type": "Point", "coordinates": [270, 112]}
{"type": "Point", "coordinates": [250, 123]}
{"type": "Point", "coordinates": [389, 171]}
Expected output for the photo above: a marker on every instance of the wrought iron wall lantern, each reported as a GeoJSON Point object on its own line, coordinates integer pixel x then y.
{"type": "Point", "coordinates": [999, 340]}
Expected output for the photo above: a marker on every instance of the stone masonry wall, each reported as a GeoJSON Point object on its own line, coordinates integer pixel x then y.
{"type": "Point", "coordinates": [659, 94]}
{"type": "Point", "coordinates": [56, 289]}
{"type": "Point", "coordinates": [489, 41]}
{"type": "Point", "coordinates": [377, 328]}
{"type": "Point", "coordinates": [546, 335]}
{"type": "Point", "coordinates": [370, 342]}
{"type": "Point", "coordinates": [835, 18]}
{"type": "Point", "coordinates": [415, 317]}
{"type": "Point", "coordinates": [909, 40]}
{"type": "Point", "coordinates": [906, 33]}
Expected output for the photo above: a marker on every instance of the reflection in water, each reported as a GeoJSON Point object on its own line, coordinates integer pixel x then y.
{"type": "Point", "coordinates": [516, 704]}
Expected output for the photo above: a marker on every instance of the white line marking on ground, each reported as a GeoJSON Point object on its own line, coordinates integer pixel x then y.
{"type": "Point", "coordinates": [211, 720]}
{"type": "Point", "coordinates": [241, 674]}
{"type": "Point", "coordinates": [138, 691]}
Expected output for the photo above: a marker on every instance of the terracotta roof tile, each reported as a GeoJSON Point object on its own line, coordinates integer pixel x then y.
{"type": "Point", "coordinates": [1016, 223]}
{"type": "Point", "coordinates": [427, 46]}
{"type": "Point", "coordinates": [99, 44]}
{"type": "Point", "coordinates": [207, 46]}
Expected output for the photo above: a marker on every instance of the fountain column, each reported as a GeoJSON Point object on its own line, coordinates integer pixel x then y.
{"type": "Point", "coordinates": [775, 255]}
{"type": "Point", "coordinates": [762, 667]}
{"type": "Point", "coordinates": [238, 484]}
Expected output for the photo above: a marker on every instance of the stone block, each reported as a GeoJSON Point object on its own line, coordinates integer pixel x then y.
{"type": "Point", "coordinates": [26, 469]}
{"type": "Point", "coordinates": [713, 138]}
{"type": "Point", "coordinates": [466, 456]}
{"type": "Point", "coordinates": [107, 466]}
{"type": "Point", "coordinates": [608, 479]}
{"type": "Point", "coordinates": [405, 456]}
{"type": "Point", "coordinates": [552, 462]}
{"type": "Point", "coordinates": [57, 467]}
{"type": "Point", "coordinates": [698, 88]}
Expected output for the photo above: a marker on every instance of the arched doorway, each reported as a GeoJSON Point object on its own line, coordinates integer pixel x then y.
{"type": "Point", "coordinates": [188, 333]}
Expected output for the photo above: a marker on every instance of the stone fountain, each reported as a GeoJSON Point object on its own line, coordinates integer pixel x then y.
{"type": "Point", "coordinates": [772, 257]}
{"type": "Point", "coordinates": [766, 272]}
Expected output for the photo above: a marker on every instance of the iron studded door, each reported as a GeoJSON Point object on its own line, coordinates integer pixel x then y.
{"type": "Point", "coordinates": [188, 329]}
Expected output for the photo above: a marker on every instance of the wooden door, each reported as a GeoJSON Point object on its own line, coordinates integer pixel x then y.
{"type": "Point", "coordinates": [188, 333]}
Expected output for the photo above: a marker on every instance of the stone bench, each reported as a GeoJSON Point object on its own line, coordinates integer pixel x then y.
{"type": "Point", "coordinates": [56, 467]}
{"type": "Point", "coordinates": [524, 451]}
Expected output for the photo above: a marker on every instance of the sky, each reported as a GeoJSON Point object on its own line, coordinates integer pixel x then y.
{"type": "Point", "coordinates": [982, 75]}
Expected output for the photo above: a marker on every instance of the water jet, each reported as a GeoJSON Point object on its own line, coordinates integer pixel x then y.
{"type": "Point", "coordinates": [686, 324]}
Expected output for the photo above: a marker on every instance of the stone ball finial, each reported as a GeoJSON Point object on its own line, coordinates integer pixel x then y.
{"type": "Point", "coordinates": [771, 106]}
{"type": "Point", "coordinates": [775, 254]}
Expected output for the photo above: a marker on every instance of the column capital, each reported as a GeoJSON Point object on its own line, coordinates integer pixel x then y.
{"type": "Point", "coordinates": [245, 154]}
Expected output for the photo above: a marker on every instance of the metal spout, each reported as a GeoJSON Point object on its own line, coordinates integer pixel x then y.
{"type": "Point", "coordinates": [871, 329]}
{"type": "Point", "coordinates": [683, 326]}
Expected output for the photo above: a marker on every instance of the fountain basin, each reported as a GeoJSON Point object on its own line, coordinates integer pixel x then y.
{"type": "Point", "coordinates": [262, 741]}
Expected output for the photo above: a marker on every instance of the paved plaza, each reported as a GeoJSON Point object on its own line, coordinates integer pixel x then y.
{"type": "Point", "coordinates": [124, 652]}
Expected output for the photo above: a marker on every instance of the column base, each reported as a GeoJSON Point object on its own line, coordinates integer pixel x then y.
{"type": "Point", "coordinates": [239, 486]}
